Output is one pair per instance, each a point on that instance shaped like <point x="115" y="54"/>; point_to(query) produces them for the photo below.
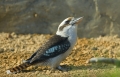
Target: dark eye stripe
<point x="66" y="23"/>
<point x="61" y="28"/>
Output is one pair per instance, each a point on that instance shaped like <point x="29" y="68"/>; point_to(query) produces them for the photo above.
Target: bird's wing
<point x="31" y="57"/>
<point x="55" y="46"/>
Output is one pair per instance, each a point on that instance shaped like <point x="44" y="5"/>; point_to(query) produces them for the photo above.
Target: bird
<point x="55" y="49"/>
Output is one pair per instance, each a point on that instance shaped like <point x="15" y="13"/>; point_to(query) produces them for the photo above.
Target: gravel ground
<point x="16" y="48"/>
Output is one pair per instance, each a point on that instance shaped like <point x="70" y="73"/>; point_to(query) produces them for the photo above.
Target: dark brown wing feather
<point x="53" y="41"/>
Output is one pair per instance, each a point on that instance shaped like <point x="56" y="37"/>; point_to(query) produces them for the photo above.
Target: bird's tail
<point x="18" y="68"/>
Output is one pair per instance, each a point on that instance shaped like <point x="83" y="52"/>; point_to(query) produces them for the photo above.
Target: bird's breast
<point x="72" y="40"/>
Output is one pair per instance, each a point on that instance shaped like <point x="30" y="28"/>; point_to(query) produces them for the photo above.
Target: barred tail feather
<point x="18" y="68"/>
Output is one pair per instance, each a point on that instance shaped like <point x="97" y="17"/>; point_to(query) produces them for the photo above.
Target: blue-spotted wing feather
<point x="55" y="46"/>
<point x="56" y="50"/>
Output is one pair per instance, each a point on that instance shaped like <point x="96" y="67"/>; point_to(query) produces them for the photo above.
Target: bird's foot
<point x="61" y="69"/>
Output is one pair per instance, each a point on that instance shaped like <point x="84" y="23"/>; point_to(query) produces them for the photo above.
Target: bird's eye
<point x="67" y="22"/>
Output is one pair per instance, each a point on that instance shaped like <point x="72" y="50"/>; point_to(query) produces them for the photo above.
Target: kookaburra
<point x="56" y="49"/>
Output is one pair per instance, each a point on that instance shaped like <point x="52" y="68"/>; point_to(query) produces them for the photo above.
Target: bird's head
<point x="68" y="26"/>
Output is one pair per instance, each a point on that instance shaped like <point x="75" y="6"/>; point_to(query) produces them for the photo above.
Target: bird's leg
<point x="61" y="69"/>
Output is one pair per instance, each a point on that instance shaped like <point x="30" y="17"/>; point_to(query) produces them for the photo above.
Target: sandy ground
<point x="16" y="48"/>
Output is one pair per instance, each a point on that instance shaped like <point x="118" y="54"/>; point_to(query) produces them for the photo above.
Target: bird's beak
<point x="78" y="20"/>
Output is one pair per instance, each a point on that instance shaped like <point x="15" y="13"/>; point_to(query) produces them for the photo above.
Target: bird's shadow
<point x="93" y="66"/>
<point x="81" y="67"/>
